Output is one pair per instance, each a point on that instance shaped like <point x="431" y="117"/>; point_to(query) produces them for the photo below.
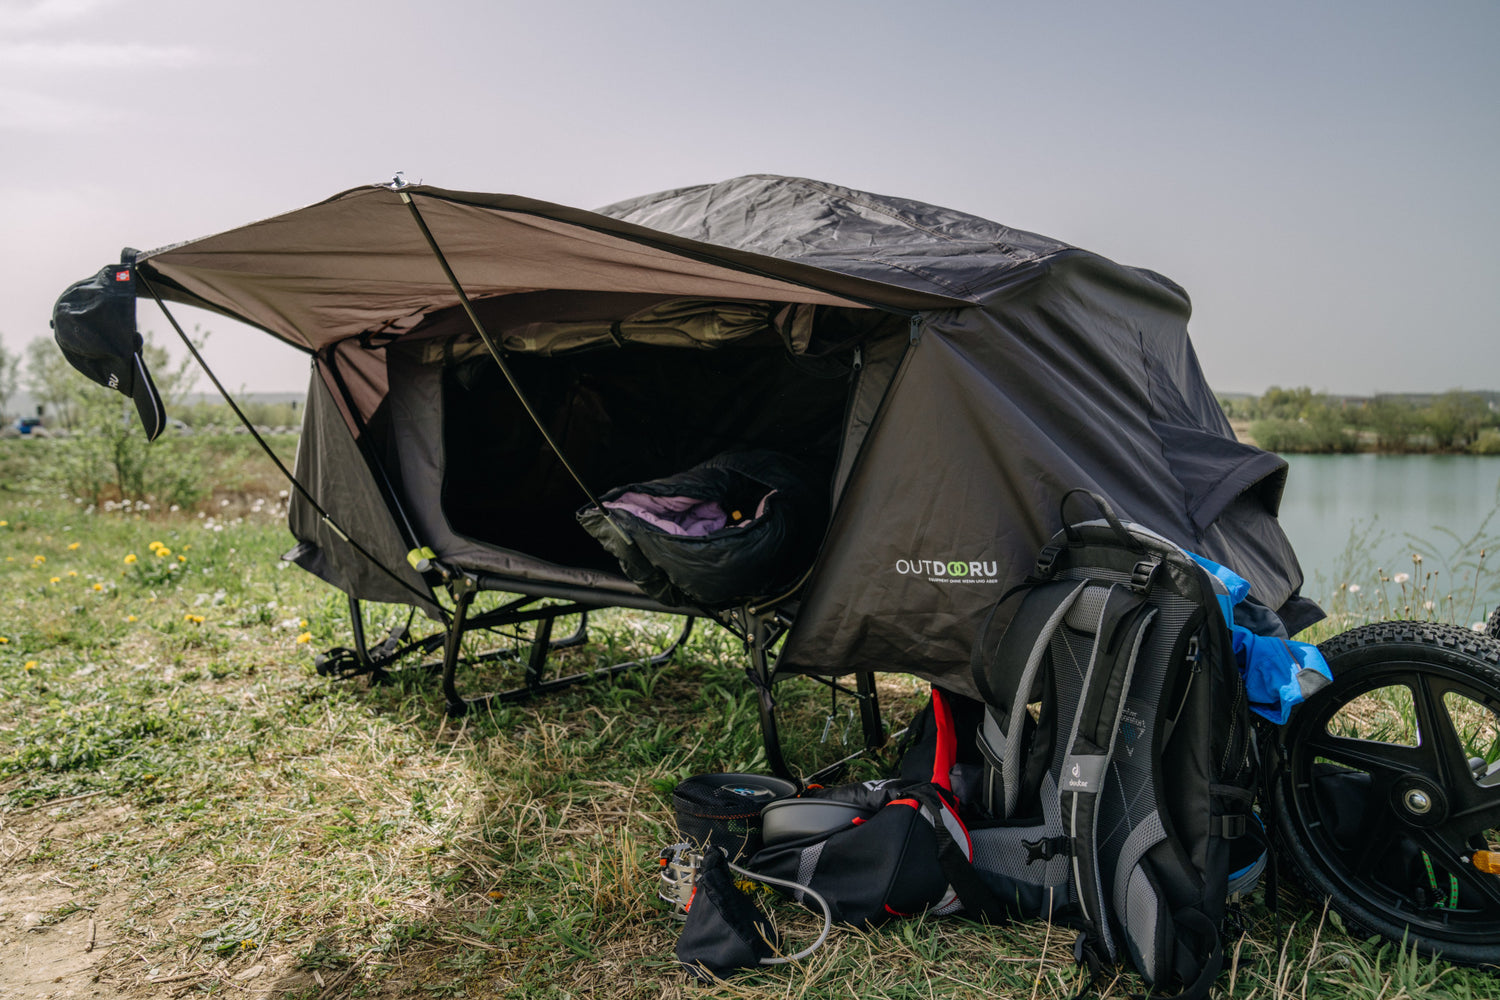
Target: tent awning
<point x="357" y="263"/>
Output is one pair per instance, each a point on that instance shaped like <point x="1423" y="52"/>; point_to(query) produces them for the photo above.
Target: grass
<point x="169" y="757"/>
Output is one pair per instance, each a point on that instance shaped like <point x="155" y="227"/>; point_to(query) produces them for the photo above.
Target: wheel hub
<point x="1419" y="802"/>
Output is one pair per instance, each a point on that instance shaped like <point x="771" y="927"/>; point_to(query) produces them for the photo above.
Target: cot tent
<point x="943" y="380"/>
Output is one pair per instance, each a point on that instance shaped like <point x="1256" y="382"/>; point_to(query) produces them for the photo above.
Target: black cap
<point x="94" y="324"/>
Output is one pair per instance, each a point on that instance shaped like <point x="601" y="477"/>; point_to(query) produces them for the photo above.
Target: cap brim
<point x="148" y="401"/>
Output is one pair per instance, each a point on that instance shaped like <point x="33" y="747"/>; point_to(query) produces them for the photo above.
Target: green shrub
<point x="108" y="457"/>
<point x="1319" y="434"/>
<point x="1487" y="443"/>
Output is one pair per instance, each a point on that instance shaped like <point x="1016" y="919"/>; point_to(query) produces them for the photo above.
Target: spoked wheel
<point x="1389" y="800"/>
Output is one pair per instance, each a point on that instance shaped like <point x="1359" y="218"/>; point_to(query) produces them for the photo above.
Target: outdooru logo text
<point x="951" y="570"/>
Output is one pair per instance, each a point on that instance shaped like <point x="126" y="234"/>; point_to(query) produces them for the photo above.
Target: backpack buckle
<point x="1234" y="826"/>
<point x="1046" y="560"/>
<point x="1140" y="577"/>
<point x="1047" y="848"/>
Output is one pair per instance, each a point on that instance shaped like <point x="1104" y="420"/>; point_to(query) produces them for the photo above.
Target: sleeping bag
<point x="741" y="525"/>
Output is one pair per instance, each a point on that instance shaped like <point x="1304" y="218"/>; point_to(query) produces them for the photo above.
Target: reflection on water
<point x="1348" y="515"/>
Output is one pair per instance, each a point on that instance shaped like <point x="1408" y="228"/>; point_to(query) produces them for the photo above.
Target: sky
<point x="1323" y="179"/>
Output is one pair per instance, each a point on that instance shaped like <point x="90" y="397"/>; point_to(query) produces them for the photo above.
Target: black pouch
<point x="725" y="930"/>
<point x="877" y="868"/>
<point x="906" y="852"/>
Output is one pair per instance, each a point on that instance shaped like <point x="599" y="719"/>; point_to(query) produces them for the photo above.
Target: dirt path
<point x="58" y="935"/>
<point x="82" y="934"/>
<point x="43" y="954"/>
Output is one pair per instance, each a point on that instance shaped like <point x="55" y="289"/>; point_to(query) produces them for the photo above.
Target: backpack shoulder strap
<point x="1007" y="676"/>
<point x="1120" y="629"/>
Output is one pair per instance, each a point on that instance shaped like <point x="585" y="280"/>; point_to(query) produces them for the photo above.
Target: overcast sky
<point x="1323" y="178"/>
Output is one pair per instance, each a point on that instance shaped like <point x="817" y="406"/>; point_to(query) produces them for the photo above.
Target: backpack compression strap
<point x="1117" y="642"/>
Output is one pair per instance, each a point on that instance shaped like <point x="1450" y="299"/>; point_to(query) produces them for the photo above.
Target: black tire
<point x="1492" y="628"/>
<point x="1384" y="830"/>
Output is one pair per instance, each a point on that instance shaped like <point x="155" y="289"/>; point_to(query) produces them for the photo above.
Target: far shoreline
<point x="1241" y="429"/>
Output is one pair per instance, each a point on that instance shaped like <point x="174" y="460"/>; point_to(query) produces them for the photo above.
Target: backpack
<point x="1118" y="759"/>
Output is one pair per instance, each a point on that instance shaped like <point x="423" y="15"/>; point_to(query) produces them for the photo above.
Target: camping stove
<point x="679" y="876"/>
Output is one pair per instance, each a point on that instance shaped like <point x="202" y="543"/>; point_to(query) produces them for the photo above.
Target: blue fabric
<point x="1274" y="669"/>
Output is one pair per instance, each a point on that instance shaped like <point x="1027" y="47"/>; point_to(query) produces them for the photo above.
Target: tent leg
<point x="541" y="645"/>
<point x="579" y="637"/>
<point x="869" y="711"/>
<point x="357" y="626"/>
<point x="762" y="676"/>
<point x="761" y="632"/>
<point x="535" y="682"/>
<point x="597" y="673"/>
<point x="464" y="590"/>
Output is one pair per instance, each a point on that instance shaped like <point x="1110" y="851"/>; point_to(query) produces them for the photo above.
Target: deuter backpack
<point x="1118" y="759"/>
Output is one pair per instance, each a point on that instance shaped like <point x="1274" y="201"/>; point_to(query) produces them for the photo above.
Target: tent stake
<point x="494" y="350"/>
<point x="290" y="478"/>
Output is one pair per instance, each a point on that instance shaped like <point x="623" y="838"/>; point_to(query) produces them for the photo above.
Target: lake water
<point x="1349" y="514"/>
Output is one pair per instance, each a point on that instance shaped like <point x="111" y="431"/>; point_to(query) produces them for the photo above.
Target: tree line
<point x="71" y="402"/>
<point x="1286" y="420"/>
<point x="1300" y="420"/>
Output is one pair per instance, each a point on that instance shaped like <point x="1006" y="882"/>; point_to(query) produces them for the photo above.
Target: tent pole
<point x="494" y="350"/>
<point x="290" y="478"/>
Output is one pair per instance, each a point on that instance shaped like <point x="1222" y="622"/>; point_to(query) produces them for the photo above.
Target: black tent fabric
<point x="1071" y="371"/>
<point x="952" y="377"/>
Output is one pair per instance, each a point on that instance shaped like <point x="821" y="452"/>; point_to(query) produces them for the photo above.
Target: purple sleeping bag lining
<point x="690" y="517"/>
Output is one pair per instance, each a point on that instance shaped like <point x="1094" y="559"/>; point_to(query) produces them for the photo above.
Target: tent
<point x="483" y="365"/>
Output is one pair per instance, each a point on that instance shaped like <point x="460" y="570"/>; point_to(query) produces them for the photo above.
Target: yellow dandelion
<point x="73" y="546"/>
<point x="182" y="559"/>
<point x="247" y="944"/>
<point x="187" y="548"/>
<point x="130" y="557"/>
<point x="302" y="622"/>
<point x="98" y="586"/>
<point x="195" y="619"/>
<point x="130" y="618"/>
<point x="4" y="524"/>
<point x="72" y="572"/>
<point x="3" y="640"/>
<point x="38" y="559"/>
<point x="31" y="664"/>
<point x="163" y="552"/>
<point x="153" y="546"/>
<point x="56" y="579"/>
<point x="304" y="637"/>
